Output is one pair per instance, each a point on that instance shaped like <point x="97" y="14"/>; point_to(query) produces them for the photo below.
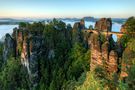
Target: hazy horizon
<point x="66" y="9"/>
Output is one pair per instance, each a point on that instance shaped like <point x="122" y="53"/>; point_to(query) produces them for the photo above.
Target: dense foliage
<point x="69" y="63"/>
<point x="1" y="53"/>
<point x="13" y="76"/>
<point x="129" y="52"/>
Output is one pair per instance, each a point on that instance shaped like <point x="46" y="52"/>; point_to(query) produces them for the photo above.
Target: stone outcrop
<point x="79" y="25"/>
<point x="29" y="47"/>
<point x="35" y="50"/>
<point x="123" y="28"/>
<point x="104" y="24"/>
<point x="113" y="62"/>
<point x="96" y="54"/>
<point x="103" y="55"/>
<point x="103" y="52"/>
<point x="9" y="46"/>
<point x="77" y="31"/>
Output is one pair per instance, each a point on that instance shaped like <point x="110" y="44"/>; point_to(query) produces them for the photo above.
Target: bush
<point x="91" y="83"/>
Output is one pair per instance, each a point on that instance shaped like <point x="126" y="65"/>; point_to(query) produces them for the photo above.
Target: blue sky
<point x="67" y="8"/>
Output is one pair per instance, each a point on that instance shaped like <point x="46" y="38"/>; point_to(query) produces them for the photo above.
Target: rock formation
<point x="9" y="46"/>
<point x="96" y="54"/>
<point x="79" y="25"/>
<point x="103" y="53"/>
<point x="77" y="31"/>
<point x="29" y="47"/>
<point x="113" y="62"/>
<point x="104" y="24"/>
<point x="123" y="28"/>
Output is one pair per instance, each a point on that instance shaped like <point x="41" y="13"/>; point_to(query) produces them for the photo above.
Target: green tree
<point x="1" y="53"/>
<point x="22" y="24"/>
<point x="91" y="27"/>
<point x="14" y="76"/>
<point x="131" y="78"/>
<point x="91" y="83"/>
<point x="79" y="63"/>
<point x="129" y="52"/>
<point x="130" y="23"/>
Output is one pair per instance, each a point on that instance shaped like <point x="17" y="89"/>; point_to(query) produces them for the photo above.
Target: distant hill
<point x="12" y="21"/>
<point x="92" y="19"/>
<point x="88" y="18"/>
<point x="119" y="20"/>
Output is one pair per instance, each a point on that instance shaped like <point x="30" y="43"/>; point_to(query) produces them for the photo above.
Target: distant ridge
<point x="86" y="18"/>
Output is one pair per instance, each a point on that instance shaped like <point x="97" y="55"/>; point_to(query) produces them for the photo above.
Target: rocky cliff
<point x="104" y="24"/>
<point x="103" y="55"/>
<point x="9" y="47"/>
<point x="104" y="51"/>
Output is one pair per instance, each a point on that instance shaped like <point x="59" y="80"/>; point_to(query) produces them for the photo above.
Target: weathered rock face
<point x="123" y="28"/>
<point x="30" y="48"/>
<point x="76" y="32"/>
<point x="102" y="54"/>
<point x="113" y="62"/>
<point x="9" y="47"/>
<point x="96" y="54"/>
<point x="104" y="24"/>
<point x="82" y="24"/>
<point x="105" y="51"/>
<point x="24" y="53"/>
<point x="35" y="50"/>
<point x="79" y="25"/>
<point x="18" y="36"/>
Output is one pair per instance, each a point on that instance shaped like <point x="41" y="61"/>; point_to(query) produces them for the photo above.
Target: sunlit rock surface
<point x="104" y="24"/>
